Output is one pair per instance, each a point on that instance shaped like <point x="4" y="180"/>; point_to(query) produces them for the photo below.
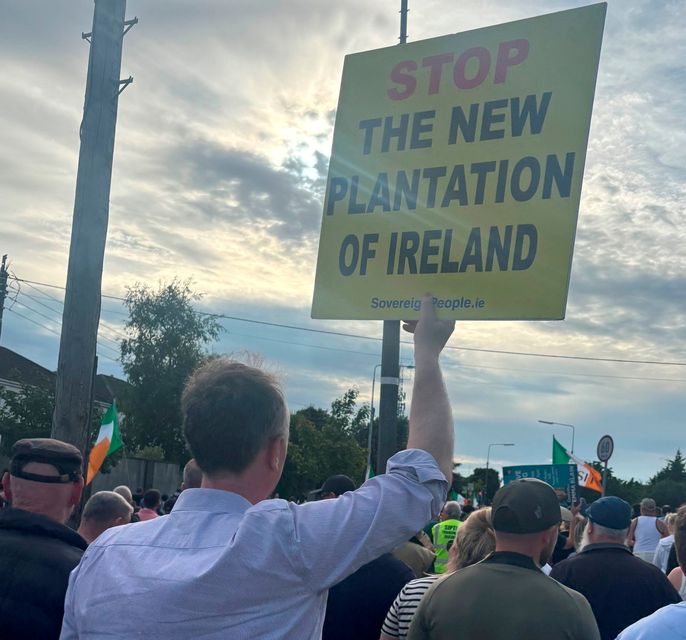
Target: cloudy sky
<point x="221" y="156"/>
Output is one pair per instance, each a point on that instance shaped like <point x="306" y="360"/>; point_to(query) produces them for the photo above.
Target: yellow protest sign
<point x="456" y="168"/>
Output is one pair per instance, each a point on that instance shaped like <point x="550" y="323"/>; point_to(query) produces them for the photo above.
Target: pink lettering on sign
<point x="470" y="70"/>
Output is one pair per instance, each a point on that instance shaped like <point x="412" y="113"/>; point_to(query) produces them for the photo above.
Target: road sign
<point x="563" y="477"/>
<point x="456" y="168"/>
<point x="606" y="446"/>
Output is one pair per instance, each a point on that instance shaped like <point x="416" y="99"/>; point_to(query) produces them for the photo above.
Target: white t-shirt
<point x="661" y="558"/>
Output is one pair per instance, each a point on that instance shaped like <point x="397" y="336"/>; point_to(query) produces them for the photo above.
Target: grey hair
<point x="453" y="509"/>
<point x="124" y="492"/>
<point x="104" y="506"/>
<point x="617" y="534"/>
<point x="192" y="475"/>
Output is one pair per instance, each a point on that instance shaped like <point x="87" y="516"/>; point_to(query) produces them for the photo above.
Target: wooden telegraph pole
<point x="89" y="227"/>
<point x="390" y="355"/>
<point x="3" y="287"/>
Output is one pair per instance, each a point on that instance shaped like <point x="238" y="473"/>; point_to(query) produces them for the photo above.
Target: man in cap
<point x="356" y="607"/>
<point x="334" y="486"/>
<point x="507" y="595"/>
<point x="104" y="510"/>
<point x="37" y="550"/>
<point x="227" y="562"/>
<point x="620" y="587"/>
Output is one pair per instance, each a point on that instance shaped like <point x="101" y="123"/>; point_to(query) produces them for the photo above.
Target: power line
<point x="42" y="326"/>
<point x="449" y="347"/>
<point x="59" y="322"/>
<point x="59" y="312"/>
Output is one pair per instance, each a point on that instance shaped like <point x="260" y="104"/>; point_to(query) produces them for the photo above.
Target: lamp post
<point x="561" y="424"/>
<point x="371" y="418"/>
<point x="488" y="460"/>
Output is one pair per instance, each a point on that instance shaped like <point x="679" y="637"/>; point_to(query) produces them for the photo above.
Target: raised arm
<point x="431" y="419"/>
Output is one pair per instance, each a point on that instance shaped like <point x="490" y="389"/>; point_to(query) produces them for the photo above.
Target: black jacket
<point x="36" y="556"/>
<point x="620" y="587"/>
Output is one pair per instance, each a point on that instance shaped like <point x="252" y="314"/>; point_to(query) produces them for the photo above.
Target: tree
<point x="26" y="413"/>
<point x="674" y="470"/>
<point x="323" y="443"/>
<point x="668" y="486"/>
<point x="485" y="485"/>
<point x="164" y="346"/>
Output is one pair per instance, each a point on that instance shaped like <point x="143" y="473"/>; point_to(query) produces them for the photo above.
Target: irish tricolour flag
<point x="109" y="440"/>
<point x="589" y="477"/>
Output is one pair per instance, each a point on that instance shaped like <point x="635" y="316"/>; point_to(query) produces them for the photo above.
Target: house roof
<point x="18" y="369"/>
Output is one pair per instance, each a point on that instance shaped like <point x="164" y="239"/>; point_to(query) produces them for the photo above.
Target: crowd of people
<point x="390" y="559"/>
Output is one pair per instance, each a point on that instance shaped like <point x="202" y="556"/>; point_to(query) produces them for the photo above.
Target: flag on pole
<point x="109" y="440"/>
<point x="589" y="477"/>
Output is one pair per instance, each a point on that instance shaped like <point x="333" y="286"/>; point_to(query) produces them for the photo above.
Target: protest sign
<point x="456" y="168"/>
<point x="559" y="476"/>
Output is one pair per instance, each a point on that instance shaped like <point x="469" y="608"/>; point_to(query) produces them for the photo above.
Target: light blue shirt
<point x="668" y="623"/>
<point x="220" y="567"/>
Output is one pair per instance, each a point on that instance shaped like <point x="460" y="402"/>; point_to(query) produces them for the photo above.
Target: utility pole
<point x="3" y="287"/>
<point x="390" y="355"/>
<point x="89" y="227"/>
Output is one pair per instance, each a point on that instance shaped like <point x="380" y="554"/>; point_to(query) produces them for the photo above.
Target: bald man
<point x="104" y="510"/>
<point x="37" y="550"/>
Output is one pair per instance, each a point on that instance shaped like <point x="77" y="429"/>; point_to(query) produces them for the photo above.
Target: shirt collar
<point x="597" y="546"/>
<point x="212" y="500"/>
<point x="512" y="558"/>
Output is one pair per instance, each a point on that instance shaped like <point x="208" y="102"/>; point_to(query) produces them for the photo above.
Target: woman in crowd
<point x="475" y="539"/>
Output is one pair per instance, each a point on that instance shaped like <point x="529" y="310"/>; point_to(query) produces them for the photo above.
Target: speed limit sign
<point x="605" y="448"/>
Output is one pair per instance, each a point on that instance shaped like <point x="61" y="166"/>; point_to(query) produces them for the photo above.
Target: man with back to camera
<point x="227" y="562"/>
<point x="646" y="531"/>
<point x="37" y="550"/>
<point x="507" y="596"/>
<point x="104" y="510"/>
<point x="620" y="587"/>
<point x="356" y="606"/>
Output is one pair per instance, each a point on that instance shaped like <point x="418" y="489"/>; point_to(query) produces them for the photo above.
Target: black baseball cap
<point x="611" y="512"/>
<point x="527" y="505"/>
<point x="337" y="485"/>
<point x="65" y="457"/>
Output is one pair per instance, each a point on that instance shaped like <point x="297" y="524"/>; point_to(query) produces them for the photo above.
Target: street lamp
<point x="371" y="418"/>
<point x="561" y="424"/>
<point x="488" y="460"/>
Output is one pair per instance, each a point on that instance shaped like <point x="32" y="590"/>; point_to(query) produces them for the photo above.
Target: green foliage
<point x="149" y="453"/>
<point x="674" y="470"/>
<point x="26" y="413"/>
<point x="324" y="443"/>
<point x="164" y="346"/>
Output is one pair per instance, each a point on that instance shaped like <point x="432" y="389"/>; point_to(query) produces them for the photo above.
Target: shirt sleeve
<point x="391" y="623"/>
<point x="336" y="537"/>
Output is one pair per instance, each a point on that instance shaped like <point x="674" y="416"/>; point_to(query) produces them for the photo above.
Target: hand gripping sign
<point x="456" y="168"/>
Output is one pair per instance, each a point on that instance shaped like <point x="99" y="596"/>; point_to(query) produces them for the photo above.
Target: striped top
<point x="399" y="616"/>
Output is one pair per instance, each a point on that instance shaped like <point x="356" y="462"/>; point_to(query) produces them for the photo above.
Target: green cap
<point x="525" y="506"/>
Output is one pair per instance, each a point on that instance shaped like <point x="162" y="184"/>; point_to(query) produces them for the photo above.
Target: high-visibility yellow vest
<point x="443" y="533"/>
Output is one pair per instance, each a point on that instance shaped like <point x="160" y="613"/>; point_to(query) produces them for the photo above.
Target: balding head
<point x="192" y="475"/>
<point x="125" y="493"/>
<point x="52" y="500"/>
<point x="103" y="510"/>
